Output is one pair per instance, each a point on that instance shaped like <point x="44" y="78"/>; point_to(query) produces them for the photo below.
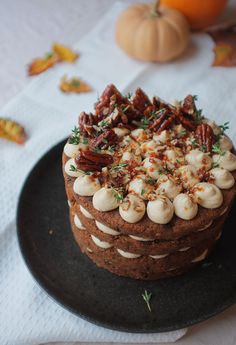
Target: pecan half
<point x="110" y="94"/>
<point x="163" y="122"/>
<point x="92" y="161"/>
<point x="86" y="122"/>
<point x="188" y="106"/>
<point x="140" y="100"/>
<point x="186" y="122"/>
<point x="104" y="140"/>
<point x="204" y="135"/>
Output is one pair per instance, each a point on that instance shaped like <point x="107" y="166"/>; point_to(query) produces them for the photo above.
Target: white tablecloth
<point x="35" y="25"/>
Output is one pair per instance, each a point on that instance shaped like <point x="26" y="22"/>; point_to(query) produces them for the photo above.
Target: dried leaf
<point x="42" y="64"/>
<point x="224" y="37"/>
<point x="74" y="84"/>
<point x="12" y="131"/>
<point x="223" y="55"/>
<point x="64" y="53"/>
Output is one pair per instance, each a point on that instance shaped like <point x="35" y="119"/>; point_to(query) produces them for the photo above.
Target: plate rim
<point x="53" y="296"/>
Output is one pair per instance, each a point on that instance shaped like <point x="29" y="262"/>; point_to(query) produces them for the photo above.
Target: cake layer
<point x="143" y="266"/>
<point x="143" y="245"/>
<point x="175" y="229"/>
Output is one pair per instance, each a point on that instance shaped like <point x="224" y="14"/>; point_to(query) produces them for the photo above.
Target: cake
<point x="149" y="184"/>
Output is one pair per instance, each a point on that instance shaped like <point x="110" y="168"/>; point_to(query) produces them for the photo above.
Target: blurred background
<point x="27" y="29"/>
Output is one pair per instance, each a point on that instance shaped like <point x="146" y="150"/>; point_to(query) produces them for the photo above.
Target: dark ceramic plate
<point x="98" y="296"/>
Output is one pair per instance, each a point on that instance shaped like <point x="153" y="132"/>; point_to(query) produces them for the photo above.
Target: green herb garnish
<point x="224" y="127"/>
<point x="97" y="150"/>
<point x="73" y="168"/>
<point x="144" y="123"/>
<point x="118" y="194"/>
<point x="126" y="108"/>
<point x="75" y="137"/>
<point x="111" y="149"/>
<point x="217" y="149"/>
<point x="129" y="95"/>
<point x="85" y="141"/>
<point x="147" y="297"/>
<point x="193" y="142"/>
<point x="199" y="116"/>
<point x="119" y="166"/>
<point x="103" y="123"/>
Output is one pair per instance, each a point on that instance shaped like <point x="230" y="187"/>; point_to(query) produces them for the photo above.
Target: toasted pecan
<point x="204" y="135"/>
<point x="92" y="161"/>
<point x="86" y="123"/>
<point x="104" y="140"/>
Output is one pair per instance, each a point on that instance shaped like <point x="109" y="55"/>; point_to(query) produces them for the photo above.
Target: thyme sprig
<point x="75" y="137"/>
<point x="224" y="127"/>
<point x="217" y="149"/>
<point x="118" y="193"/>
<point x="119" y="166"/>
<point x="145" y="121"/>
<point x="73" y="168"/>
<point x="147" y="298"/>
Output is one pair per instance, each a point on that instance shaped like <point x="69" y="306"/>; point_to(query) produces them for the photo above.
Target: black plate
<point x="98" y="296"/>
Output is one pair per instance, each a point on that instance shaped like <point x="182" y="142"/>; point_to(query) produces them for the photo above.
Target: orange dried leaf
<point x="75" y="85"/>
<point x="64" y="53"/>
<point x="223" y="54"/>
<point x="12" y="131"/>
<point x="225" y="44"/>
<point x="42" y="64"/>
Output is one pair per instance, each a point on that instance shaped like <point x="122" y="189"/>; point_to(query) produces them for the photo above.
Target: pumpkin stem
<point x="155" y="8"/>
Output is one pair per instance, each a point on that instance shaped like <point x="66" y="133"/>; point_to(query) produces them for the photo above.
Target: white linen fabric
<point x="27" y="315"/>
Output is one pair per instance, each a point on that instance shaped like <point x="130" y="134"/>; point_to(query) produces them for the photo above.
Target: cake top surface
<point x="149" y="156"/>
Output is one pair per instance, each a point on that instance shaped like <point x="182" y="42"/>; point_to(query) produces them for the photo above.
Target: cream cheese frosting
<point x="105" y="199"/>
<point x="128" y="255"/>
<point x="130" y="156"/>
<point x="158" y="256"/>
<point x="188" y="175"/>
<point x="101" y="244"/>
<point x="106" y="229"/>
<point x="153" y="167"/>
<point x="201" y="256"/>
<point x="132" y="209"/>
<point x="141" y="239"/>
<point x="121" y="132"/>
<point x="139" y="134"/>
<point x="225" y="143"/>
<point x="208" y="195"/>
<point x="185" y="207"/>
<point x="199" y="159"/>
<point x="71" y="150"/>
<point x="222" y="178"/>
<point x="162" y="138"/>
<point x="86" y="213"/>
<point x="78" y="223"/>
<point x="161" y="210"/>
<point x="174" y="157"/>
<point x="140" y="187"/>
<point x="86" y="185"/>
<point x="226" y="160"/>
<point x="168" y="187"/>
<point x="70" y="168"/>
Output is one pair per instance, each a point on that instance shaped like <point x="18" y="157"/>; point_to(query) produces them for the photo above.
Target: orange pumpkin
<point x="152" y="33"/>
<point x="200" y="13"/>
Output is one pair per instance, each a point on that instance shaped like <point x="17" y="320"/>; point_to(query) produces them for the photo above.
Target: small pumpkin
<point x="152" y="33"/>
<point x="199" y="13"/>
